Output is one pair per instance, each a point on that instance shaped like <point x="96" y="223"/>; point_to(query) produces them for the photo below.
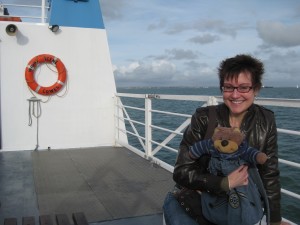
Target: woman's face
<point x="237" y="102"/>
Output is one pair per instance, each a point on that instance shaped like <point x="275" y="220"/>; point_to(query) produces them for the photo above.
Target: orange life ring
<point x="33" y="64"/>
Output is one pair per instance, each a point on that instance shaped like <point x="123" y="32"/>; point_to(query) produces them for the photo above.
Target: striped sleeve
<point x="200" y="148"/>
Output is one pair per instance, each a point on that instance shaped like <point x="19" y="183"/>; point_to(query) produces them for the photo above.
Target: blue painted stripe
<point x="72" y="13"/>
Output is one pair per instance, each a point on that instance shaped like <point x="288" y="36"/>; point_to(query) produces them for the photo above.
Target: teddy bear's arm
<point x="200" y="148"/>
<point x="254" y="156"/>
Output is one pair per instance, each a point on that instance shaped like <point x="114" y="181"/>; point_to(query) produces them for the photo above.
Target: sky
<point x="181" y="43"/>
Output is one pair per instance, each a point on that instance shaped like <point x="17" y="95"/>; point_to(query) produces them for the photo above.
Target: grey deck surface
<point x="104" y="183"/>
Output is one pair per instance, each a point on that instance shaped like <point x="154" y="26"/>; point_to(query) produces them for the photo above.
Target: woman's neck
<point x="236" y="120"/>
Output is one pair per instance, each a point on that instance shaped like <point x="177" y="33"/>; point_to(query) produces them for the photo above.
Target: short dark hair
<point x="230" y="68"/>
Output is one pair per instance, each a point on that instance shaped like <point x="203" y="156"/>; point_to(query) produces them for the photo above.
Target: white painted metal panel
<point x="85" y="116"/>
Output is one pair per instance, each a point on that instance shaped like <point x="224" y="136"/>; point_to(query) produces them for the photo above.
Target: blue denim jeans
<point x="174" y="214"/>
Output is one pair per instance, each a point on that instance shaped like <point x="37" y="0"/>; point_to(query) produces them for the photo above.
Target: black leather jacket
<point x="260" y="129"/>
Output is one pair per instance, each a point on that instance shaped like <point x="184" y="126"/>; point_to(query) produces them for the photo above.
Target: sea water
<point x="286" y="118"/>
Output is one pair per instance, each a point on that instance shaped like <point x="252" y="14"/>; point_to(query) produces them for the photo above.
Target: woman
<point x="240" y="81"/>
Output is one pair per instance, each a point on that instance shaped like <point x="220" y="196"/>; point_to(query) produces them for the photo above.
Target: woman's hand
<point x="239" y="177"/>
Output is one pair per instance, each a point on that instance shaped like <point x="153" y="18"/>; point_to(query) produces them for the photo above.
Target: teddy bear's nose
<point x="224" y="143"/>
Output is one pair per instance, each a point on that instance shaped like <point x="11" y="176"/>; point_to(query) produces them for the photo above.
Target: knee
<point x="171" y="210"/>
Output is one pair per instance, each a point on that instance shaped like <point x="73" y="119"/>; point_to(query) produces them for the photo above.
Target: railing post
<point x="43" y="12"/>
<point x="116" y="118"/>
<point x="148" y="123"/>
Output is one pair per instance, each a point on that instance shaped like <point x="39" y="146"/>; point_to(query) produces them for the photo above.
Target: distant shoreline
<point x="153" y="87"/>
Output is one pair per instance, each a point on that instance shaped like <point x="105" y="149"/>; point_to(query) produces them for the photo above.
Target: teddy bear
<point x="229" y="149"/>
<point x="228" y="143"/>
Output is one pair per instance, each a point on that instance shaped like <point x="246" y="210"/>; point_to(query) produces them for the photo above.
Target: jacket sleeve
<point x="269" y="171"/>
<point x="193" y="173"/>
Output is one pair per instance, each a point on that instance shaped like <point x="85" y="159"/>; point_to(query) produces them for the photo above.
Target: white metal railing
<point x="147" y="141"/>
<point x="27" y="11"/>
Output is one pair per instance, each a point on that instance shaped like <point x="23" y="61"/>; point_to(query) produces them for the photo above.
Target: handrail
<point x="147" y="141"/>
<point x="147" y="150"/>
<point x="42" y="8"/>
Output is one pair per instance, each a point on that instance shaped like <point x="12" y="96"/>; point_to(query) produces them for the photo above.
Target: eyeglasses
<point x="241" y="89"/>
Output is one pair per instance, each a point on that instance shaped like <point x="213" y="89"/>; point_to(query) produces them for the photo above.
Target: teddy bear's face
<point x="227" y="139"/>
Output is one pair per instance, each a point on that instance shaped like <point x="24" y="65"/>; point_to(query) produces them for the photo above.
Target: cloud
<point x="176" y="54"/>
<point x="180" y="54"/>
<point x="204" y="39"/>
<point x="113" y="10"/>
<point x="279" y="34"/>
<point x="297" y="11"/>
<point x="177" y="28"/>
<point x="218" y="26"/>
<point x="153" y="73"/>
<point x="165" y="73"/>
<point x="277" y="74"/>
<point x="159" y="25"/>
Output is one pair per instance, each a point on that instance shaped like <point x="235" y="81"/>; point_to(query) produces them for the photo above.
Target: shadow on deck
<point x="109" y="185"/>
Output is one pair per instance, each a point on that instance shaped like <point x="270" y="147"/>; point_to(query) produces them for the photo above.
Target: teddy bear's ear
<point x="237" y="135"/>
<point x="216" y="129"/>
<point x="216" y="133"/>
<point x="236" y="129"/>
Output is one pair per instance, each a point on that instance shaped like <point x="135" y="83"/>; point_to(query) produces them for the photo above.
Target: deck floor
<point x="105" y="183"/>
